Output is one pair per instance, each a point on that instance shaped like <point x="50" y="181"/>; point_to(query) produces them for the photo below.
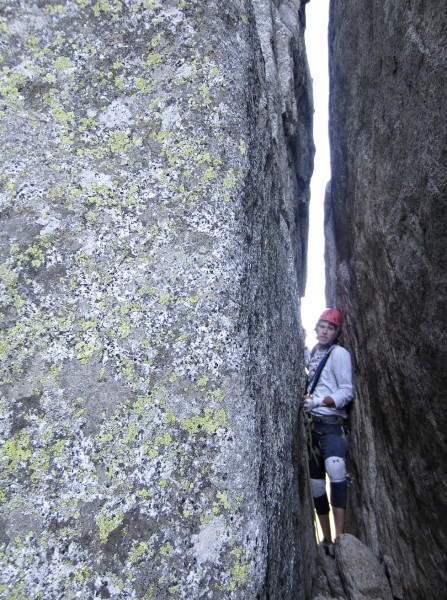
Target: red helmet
<point x="332" y="315"/>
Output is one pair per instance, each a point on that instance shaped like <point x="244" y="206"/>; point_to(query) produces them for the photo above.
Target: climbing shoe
<point x="328" y="548"/>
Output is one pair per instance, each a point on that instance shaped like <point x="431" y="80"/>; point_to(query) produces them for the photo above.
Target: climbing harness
<point x="327" y="420"/>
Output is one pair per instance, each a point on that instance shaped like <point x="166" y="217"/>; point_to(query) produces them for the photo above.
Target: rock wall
<point x="155" y="163"/>
<point x="386" y="261"/>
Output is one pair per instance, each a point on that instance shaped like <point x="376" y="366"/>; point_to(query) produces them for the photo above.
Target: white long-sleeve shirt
<point x="335" y="381"/>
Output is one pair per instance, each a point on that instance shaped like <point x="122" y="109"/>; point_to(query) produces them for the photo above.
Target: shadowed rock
<point x="386" y="241"/>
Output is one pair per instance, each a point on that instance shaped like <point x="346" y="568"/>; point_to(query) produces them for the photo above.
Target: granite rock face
<point x="155" y="165"/>
<point x="386" y="261"/>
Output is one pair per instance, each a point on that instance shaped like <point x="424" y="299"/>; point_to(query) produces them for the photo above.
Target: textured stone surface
<point x="154" y="178"/>
<point x="328" y="583"/>
<point x="386" y="241"/>
<point x="361" y="573"/>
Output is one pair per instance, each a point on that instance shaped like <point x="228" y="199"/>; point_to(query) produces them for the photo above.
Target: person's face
<point x="326" y="332"/>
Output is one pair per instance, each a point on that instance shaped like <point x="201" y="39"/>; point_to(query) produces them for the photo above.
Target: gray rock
<point x="327" y="583"/>
<point x="154" y="185"/>
<point x="362" y="575"/>
<point x="387" y="210"/>
<point x="394" y="578"/>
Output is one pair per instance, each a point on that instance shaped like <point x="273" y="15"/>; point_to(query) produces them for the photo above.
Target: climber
<point x="328" y="391"/>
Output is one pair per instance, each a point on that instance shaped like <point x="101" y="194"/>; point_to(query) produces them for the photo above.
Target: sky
<point x="313" y="304"/>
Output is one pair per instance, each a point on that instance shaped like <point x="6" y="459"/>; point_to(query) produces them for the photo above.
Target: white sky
<point x="317" y="15"/>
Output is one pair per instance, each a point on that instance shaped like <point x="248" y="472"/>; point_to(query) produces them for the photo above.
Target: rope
<point x="308" y="427"/>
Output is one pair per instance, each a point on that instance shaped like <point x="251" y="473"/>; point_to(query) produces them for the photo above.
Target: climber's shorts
<point x="328" y="456"/>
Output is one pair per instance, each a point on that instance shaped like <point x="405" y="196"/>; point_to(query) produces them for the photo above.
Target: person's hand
<point x="310" y="403"/>
<point x="328" y="401"/>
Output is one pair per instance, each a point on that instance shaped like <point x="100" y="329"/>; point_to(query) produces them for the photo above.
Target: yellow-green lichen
<point x="151" y="453"/>
<point x="85" y="350"/>
<point x="138" y="551"/>
<point x="215" y="395"/>
<point x="163" y="440"/>
<point x="81" y="575"/>
<point x="167" y="299"/>
<point x="34" y="254"/>
<point x="62" y="63"/>
<point x="205" y="519"/>
<point x="132" y="434"/>
<point x="107" y="525"/>
<point x="20" y="342"/>
<point x="124" y="330"/>
<point x="201" y="382"/>
<point x="126" y="368"/>
<point x="112" y="7"/>
<point x="239" y="572"/>
<point x="10" y="85"/>
<point x="155" y="40"/>
<point x="209" y="422"/>
<point x="228" y="183"/>
<point x="17" y="450"/>
<point x="120" y="142"/>
<point x="167" y="549"/>
<point x="153" y="59"/>
<point x="143" y="86"/>
<point x="169" y="418"/>
<point x="242" y="147"/>
<point x="222" y="496"/>
<point x="9" y="281"/>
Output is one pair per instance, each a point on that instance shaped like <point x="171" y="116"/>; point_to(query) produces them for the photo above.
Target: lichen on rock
<point x="138" y="238"/>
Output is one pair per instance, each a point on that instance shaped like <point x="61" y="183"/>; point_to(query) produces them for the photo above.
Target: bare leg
<point x="339" y="520"/>
<point x="325" y="527"/>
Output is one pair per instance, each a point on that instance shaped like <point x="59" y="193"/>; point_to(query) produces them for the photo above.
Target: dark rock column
<point x="386" y="254"/>
<point x="155" y="161"/>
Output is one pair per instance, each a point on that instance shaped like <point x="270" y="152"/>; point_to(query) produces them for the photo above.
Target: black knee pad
<point x="339" y="494"/>
<point x="321" y="505"/>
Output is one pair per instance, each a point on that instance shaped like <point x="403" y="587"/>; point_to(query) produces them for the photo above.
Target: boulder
<point x="361" y="573"/>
